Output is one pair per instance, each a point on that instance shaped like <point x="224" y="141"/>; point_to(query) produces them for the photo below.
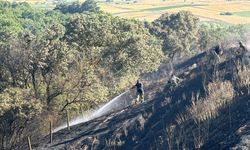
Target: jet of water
<point x="115" y="104"/>
<point x="119" y="102"/>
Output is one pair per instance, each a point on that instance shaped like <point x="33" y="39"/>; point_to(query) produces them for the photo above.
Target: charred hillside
<point x="208" y="110"/>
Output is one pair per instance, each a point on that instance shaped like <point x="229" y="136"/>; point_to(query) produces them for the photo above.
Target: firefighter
<point x="174" y="81"/>
<point x="139" y="92"/>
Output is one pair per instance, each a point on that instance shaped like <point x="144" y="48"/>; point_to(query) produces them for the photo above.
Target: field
<point x="230" y="12"/>
<point x="243" y="13"/>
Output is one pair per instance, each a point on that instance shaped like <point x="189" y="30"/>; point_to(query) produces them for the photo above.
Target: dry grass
<point x="219" y="94"/>
<point x="182" y="118"/>
<point x="113" y="143"/>
<point x="141" y="122"/>
<point x="244" y="79"/>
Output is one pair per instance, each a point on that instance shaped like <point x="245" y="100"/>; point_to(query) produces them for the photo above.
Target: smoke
<point x="246" y="39"/>
<point x="118" y="103"/>
<point x="248" y="45"/>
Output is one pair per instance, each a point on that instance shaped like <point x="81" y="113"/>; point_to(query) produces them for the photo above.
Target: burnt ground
<point x="146" y="126"/>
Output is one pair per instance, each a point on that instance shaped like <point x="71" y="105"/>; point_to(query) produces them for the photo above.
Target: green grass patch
<point x="171" y="7"/>
<point x="242" y="13"/>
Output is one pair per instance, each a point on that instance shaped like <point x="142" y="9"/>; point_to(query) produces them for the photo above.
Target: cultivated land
<point x="235" y="12"/>
<point x="239" y="11"/>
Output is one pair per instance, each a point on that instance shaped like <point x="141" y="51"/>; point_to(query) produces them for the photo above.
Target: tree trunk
<point x="14" y="84"/>
<point x="33" y="76"/>
<point x="48" y="94"/>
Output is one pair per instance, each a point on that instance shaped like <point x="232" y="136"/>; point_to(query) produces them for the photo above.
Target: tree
<point x="123" y="47"/>
<point x="17" y="108"/>
<point x="9" y="24"/>
<point x="89" y="5"/>
<point x="59" y="64"/>
<point x="5" y="4"/>
<point x="76" y="7"/>
<point x="211" y="34"/>
<point x="179" y="33"/>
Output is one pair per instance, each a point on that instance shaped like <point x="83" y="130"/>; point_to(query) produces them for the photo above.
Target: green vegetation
<point x="77" y="56"/>
<point x="223" y="34"/>
<point x="76" y="7"/>
<point x="171" y="7"/>
<point x="242" y="13"/>
<point x="52" y="61"/>
<point x="179" y="33"/>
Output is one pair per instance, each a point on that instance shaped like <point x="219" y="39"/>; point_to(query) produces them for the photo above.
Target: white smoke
<point x="246" y="39"/>
<point x="248" y="45"/>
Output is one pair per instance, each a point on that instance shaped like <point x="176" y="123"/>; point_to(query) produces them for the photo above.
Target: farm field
<point x="222" y="11"/>
<point x="231" y="12"/>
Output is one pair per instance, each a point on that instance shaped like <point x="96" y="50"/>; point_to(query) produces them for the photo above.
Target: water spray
<point x="118" y="103"/>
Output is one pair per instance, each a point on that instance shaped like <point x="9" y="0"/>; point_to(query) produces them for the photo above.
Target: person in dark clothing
<point x="240" y="55"/>
<point x="139" y="91"/>
<point x="242" y="50"/>
<point x="174" y="80"/>
<point x="215" y="55"/>
<point x="214" y="58"/>
<point x="218" y="50"/>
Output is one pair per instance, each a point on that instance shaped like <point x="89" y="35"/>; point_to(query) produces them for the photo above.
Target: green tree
<point x="211" y="34"/>
<point x="90" y="5"/>
<point x="123" y="47"/>
<point x="9" y="24"/>
<point x="59" y="64"/>
<point x="178" y="31"/>
<point x="17" y="108"/>
<point x="5" y="4"/>
<point x="76" y="7"/>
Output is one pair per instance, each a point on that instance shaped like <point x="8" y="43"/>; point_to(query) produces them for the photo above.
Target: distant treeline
<point x="76" y="57"/>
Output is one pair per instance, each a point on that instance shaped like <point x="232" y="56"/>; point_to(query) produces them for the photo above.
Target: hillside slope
<point x="166" y="119"/>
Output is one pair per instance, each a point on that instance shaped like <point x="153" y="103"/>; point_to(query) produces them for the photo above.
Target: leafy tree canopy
<point x="76" y="7"/>
<point x="17" y="17"/>
<point x="124" y="46"/>
<point x="179" y="32"/>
